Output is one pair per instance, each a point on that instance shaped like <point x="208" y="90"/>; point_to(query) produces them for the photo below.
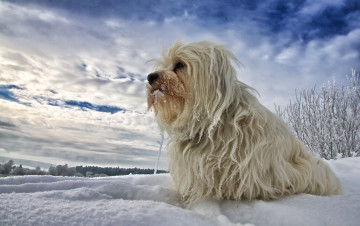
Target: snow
<point x="152" y="200"/>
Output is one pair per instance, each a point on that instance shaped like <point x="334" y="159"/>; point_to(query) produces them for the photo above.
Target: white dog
<point x="223" y="144"/>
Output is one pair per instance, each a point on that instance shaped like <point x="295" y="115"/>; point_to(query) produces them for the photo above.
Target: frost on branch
<point x="327" y="121"/>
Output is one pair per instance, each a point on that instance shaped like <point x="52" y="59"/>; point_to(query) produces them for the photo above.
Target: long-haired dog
<point x="223" y="144"/>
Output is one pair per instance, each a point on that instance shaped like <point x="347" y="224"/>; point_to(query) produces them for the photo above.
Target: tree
<point x="327" y="121"/>
<point x="7" y="167"/>
<point x="62" y="170"/>
<point x="52" y="171"/>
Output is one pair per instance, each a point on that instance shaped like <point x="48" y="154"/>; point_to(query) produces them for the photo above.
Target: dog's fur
<point x="223" y="144"/>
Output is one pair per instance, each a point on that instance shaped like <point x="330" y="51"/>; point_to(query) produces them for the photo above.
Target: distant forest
<point x="9" y="168"/>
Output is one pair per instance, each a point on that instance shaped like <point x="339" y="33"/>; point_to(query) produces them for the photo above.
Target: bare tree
<point x="328" y="120"/>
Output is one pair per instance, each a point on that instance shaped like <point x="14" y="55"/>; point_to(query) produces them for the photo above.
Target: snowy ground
<point x="151" y="200"/>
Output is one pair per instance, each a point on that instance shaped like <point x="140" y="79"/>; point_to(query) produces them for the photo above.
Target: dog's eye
<point x="178" y="66"/>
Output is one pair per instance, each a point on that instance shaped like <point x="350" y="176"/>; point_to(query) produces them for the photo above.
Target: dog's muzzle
<point x="152" y="77"/>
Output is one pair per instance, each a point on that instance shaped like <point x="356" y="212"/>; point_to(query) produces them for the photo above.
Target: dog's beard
<point x="166" y="97"/>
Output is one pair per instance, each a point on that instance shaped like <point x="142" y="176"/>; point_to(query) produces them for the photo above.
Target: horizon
<point x="29" y="164"/>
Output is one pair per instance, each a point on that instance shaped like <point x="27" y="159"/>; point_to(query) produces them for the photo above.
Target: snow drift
<point x="152" y="200"/>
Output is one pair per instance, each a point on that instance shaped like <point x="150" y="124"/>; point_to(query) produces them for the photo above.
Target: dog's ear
<point x="214" y="81"/>
<point x="225" y="81"/>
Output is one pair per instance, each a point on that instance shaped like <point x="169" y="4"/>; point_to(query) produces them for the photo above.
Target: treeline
<point x="10" y="168"/>
<point x="89" y="171"/>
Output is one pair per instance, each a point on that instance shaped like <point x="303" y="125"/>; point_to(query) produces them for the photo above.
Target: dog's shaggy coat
<point x="223" y="144"/>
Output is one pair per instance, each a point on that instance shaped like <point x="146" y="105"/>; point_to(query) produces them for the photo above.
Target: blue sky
<point x="72" y="73"/>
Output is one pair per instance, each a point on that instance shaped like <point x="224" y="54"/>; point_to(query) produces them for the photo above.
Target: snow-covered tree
<point x="7" y="167"/>
<point x="328" y="120"/>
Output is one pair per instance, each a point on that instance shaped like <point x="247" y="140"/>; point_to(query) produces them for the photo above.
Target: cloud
<point x="74" y="136"/>
<point x="316" y="7"/>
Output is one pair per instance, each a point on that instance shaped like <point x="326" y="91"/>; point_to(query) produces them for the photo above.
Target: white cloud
<point x="314" y="7"/>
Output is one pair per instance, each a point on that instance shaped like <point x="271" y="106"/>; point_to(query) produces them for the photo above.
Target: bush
<point x="327" y="121"/>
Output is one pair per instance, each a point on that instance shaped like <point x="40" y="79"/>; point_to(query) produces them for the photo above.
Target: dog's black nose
<point x="152" y="77"/>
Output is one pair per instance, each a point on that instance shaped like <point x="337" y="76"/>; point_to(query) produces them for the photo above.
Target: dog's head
<point x="192" y="85"/>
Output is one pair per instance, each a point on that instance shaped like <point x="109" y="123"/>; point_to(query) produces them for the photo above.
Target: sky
<point x="73" y="73"/>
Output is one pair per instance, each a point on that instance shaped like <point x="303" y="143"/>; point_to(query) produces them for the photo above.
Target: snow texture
<point x="152" y="200"/>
